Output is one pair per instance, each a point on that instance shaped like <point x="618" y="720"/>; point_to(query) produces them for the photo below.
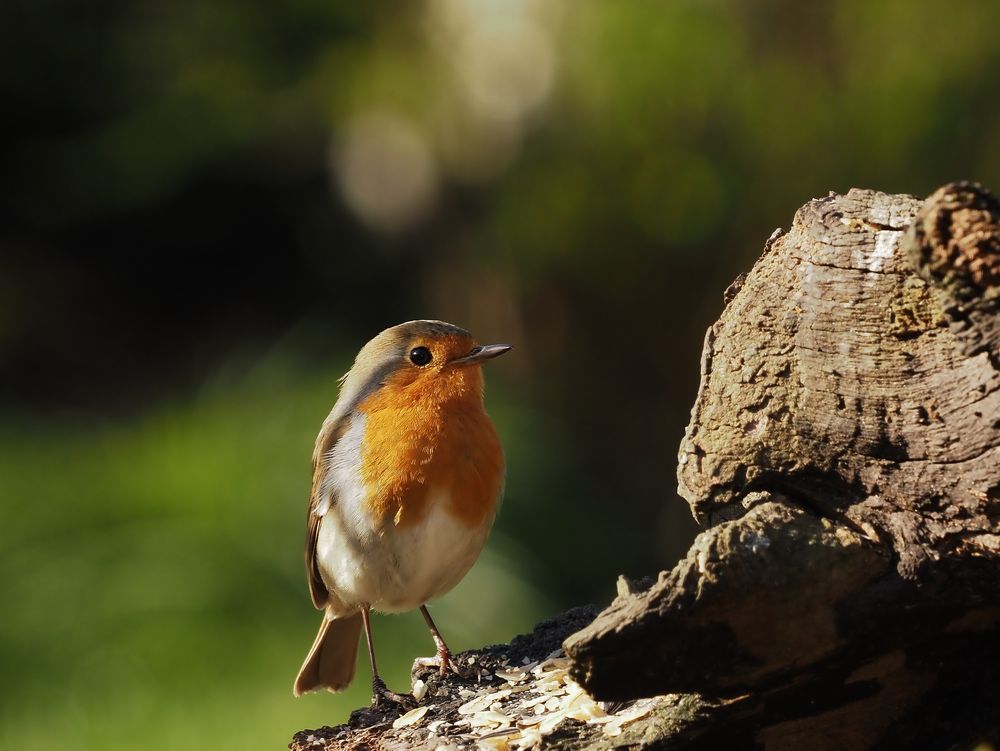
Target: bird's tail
<point x="333" y="658"/>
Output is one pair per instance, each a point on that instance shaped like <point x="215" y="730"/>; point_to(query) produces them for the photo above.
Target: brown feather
<point x="328" y="436"/>
<point x="333" y="659"/>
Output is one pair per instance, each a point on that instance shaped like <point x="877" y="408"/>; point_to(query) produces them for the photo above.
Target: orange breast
<point x="426" y="440"/>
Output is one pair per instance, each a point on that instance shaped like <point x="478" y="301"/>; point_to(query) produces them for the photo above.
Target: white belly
<point x="399" y="569"/>
<point x="391" y="569"/>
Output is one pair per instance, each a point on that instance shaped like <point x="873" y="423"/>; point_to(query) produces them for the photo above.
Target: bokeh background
<point x="208" y="207"/>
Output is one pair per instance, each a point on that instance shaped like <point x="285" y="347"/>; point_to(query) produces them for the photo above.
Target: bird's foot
<point x="381" y="694"/>
<point x="444" y="662"/>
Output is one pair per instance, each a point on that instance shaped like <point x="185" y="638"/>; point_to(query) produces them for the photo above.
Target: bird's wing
<point x="320" y="500"/>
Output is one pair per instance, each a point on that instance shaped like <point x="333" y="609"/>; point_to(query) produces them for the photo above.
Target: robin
<point x="407" y="476"/>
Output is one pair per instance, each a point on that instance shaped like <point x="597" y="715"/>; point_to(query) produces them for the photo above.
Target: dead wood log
<point x="844" y="449"/>
<point x="844" y="453"/>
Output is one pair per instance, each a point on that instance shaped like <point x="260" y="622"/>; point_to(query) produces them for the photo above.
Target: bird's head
<point x="418" y="360"/>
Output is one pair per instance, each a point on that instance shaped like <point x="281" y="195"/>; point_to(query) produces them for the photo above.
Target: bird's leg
<point x="380" y="693"/>
<point x="442" y="660"/>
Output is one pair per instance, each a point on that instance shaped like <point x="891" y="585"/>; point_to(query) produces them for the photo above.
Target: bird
<point x="408" y="474"/>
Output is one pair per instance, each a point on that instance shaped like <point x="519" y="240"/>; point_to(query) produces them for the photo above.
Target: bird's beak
<point x="479" y="354"/>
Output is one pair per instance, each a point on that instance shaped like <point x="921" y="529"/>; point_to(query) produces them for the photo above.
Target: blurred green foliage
<point x="208" y="207"/>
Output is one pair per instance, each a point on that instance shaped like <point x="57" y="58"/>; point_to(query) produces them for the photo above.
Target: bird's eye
<point x="420" y="355"/>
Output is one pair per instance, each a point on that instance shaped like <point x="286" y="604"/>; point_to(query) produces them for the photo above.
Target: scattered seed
<point x="638" y="710"/>
<point x="410" y="718"/>
<point x="511" y="676"/>
<point x="500" y="732"/>
<point x="551" y="722"/>
<point x="419" y="689"/>
<point x="528" y="739"/>
<point x="492" y="743"/>
<point x="489" y="718"/>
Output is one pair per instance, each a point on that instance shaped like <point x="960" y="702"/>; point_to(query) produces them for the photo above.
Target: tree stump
<point x="844" y="453"/>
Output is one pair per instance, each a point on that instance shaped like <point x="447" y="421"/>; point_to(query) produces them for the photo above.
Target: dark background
<point x="207" y="208"/>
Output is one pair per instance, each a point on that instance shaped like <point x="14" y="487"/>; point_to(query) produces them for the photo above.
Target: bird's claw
<point x="444" y="663"/>
<point x="382" y="694"/>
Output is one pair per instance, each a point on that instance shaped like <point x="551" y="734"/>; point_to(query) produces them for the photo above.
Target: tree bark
<point x="844" y="453"/>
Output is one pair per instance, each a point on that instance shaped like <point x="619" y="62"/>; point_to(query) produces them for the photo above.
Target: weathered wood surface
<point x="844" y="453"/>
<point x="844" y="449"/>
<point x="845" y="375"/>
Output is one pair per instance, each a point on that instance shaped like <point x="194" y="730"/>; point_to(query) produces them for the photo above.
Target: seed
<point x="410" y="718"/>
